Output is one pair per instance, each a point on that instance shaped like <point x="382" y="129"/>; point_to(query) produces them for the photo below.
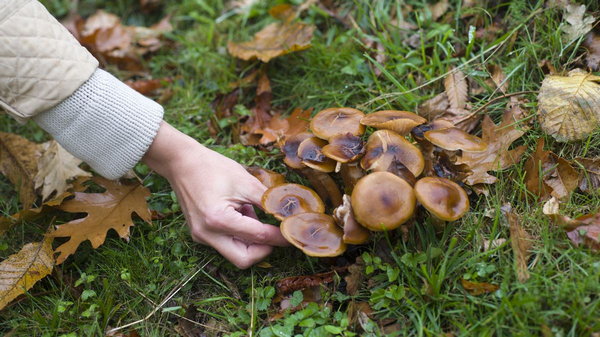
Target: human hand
<point x="216" y="195"/>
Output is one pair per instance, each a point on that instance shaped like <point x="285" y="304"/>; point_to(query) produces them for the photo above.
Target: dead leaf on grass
<point x="19" y="163"/>
<point x="355" y="277"/>
<point x="479" y="288"/>
<point x="578" y="23"/>
<point x="589" y="174"/>
<point x="568" y="105"/>
<point x="583" y="230"/>
<point x="33" y="213"/>
<point x="499" y="78"/>
<point x="148" y="87"/>
<point x="558" y="178"/>
<point x="592" y="44"/>
<point x="457" y="88"/>
<point x="22" y="270"/>
<point x="520" y="241"/>
<point x="112" y="209"/>
<point x="438" y="9"/>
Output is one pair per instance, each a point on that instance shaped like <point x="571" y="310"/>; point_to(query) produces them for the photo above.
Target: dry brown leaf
<point x="457" y="89"/>
<point x="497" y="156"/>
<point x="148" y="87"/>
<point x="583" y="230"/>
<point x="31" y="214"/>
<point x="578" y="22"/>
<point x="290" y="284"/>
<point x="438" y="9"/>
<point x="22" y="270"/>
<point x="589" y="174"/>
<point x="592" y="43"/>
<point x="356" y="275"/>
<point x="56" y="166"/>
<point x="568" y="105"/>
<point x="498" y="78"/>
<point x="19" y="163"/>
<point x="558" y="178"/>
<point x="478" y="288"/>
<point x="434" y="107"/>
<point x="521" y="243"/>
<point x="112" y="209"/>
<point x="274" y="40"/>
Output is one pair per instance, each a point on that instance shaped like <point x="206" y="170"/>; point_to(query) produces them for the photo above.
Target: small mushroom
<point x="324" y="185"/>
<point x="266" y="177"/>
<point x="398" y="121"/>
<point x="344" y="148"/>
<point x="444" y="198"/>
<point x="351" y="174"/>
<point x="454" y="139"/>
<point x="290" y="149"/>
<point x="354" y="233"/>
<point x="396" y="167"/>
<point x="337" y="121"/>
<point x="316" y="234"/>
<point x="418" y="132"/>
<point x="384" y="145"/>
<point x="289" y="199"/>
<point x="382" y="201"/>
<point x="310" y="151"/>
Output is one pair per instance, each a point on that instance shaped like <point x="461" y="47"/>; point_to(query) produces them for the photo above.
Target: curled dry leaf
<point x="497" y="156"/>
<point x="19" y="163"/>
<point x="583" y="230"/>
<point x="520" y="241"/>
<point x="56" y="166"/>
<point x="112" y="209"/>
<point x="290" y="284"/>
<point x="438" y="9"/>
<point x="22" y="270"/>
<point x="569" y="106"/>
<point x="498" y="78"/>
<point x="578" y="23"/>
<point x="592" y="44"/>
<point x="558" y="178"/>
<point x="589" y="174"/>
<point x="478" y="288"/>
<point x="456" y="88"/>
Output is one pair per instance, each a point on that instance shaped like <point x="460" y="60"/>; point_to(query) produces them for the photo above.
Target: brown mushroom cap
<point x="316" y="234"/>
<point x="354" y="233"/>
<point x="310" y="151"/>
<point x="344" y="148"/>
<point x="444" y="198"/>
<point x="399" y="169"/>
<point x="418" y="132"/>
<point x="455" y="139"/>
<point x="398" y="121"/>
<point x="289" y="199"/>
<point x="384" y="145"/>
<point x="266" y="177"/>
<point x="337" y="121"/>
<point x="351" y="174"/>
<point x="382" y="201"/>
<point x="290" y="149"/>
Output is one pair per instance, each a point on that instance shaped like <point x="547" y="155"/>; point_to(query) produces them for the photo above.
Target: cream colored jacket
<point x="41" y="63"/>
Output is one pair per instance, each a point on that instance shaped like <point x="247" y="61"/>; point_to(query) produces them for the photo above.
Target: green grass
<point x="415" y="283"/>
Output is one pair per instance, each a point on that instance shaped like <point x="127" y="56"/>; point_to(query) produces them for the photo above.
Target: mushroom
<point x="311" y="153"/>
<point x="290" y="149"/>
<point x="266" y="177"/>
<point x="351" y="173"/>
<point x="337" y="121"/>
<point x="444" y="198"/>
<point x="382" y="201"/>
<point x="454" y="139"/>
<point x="324" y="185"/>
<point x="316" y="234"/>
<point x="398" y="121"/>
<point x="384" y="145"/>
<point x="289" y="199"/>
<point x="344" y="148"/>
<point x="418" y="132"/>
<point x="396" y="167"/>
<point x="354" y="233"/>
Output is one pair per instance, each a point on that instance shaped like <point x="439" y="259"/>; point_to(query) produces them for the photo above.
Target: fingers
<point x="254" y="191"/>
<point x="252" y="230"/>
<point x="248" y="210"/>
<point x="241" y="254"/>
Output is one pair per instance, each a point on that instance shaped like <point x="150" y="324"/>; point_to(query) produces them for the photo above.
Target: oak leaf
<point x="19" y="163"/>
<point x="457" y="88"/>
<point x="568" y="105"/>
<point x="56" y="167"/>
<point x="22" y="270"/>
<point x="112" y="209"/>
<point x="558" y="178"/>
<point x="30" y="214"/>
<point x="520" y="241"/>
<point x="497" y="156"/>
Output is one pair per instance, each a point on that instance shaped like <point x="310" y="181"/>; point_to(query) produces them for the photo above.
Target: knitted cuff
<point x="104" y="123"/>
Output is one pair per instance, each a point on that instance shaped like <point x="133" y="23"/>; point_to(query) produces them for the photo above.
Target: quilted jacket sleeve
<point x="41" y="63"/>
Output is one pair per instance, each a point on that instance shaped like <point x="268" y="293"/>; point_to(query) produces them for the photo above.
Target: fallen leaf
<point x="478" y="288"/>
<point x="589" y="176"/>
<point x="579" y="23"/>
<point x="438" y="9"/>
<point x="568" y="105"/>
<point x="497" y="156"/>
<point x="19" y="163"/>
<point x="148" y="87"/>
<point x="583" y="230"/>
<point x="31" y="214"/>
<point x="434" y="107"/>
<point x="492" y="244"/>
<point x="592" y="44"/>
<point x="56" y="167"/>
<point x="290" y="284"/>
<point x="558" y="178"/>
<point x="112" y="209"/>
<point x="498" y="78"/>
<point x="274" y="40"/>
<point x="521" y="243"/>
<point x="456" y="88"/>
<point x="356" y="275"/>
<point x="22" y="270"/>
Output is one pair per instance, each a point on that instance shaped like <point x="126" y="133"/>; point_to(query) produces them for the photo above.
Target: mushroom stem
<point x="324" y="185"/>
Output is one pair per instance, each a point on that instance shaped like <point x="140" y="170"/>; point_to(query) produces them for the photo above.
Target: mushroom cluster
<point x="384" y="179"/>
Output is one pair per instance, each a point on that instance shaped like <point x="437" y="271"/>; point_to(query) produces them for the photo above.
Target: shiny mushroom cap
<point x="382" y="201"/>
<point x="398" y="121"/>
<point x="444" y="198"/>
<point x="316" y="234"/>
<point x="396" y="167"/>
<point x="384" y="145"/>
<point x="418" y="132"/>
<point x="289" y="199"/>
<point x="266" y="177"/>
<point x="337" y="121"/>
<point x="290" y="149"/>
<point x="454" y="139"/>
<point x="310" y="151"/>
<point x="354" y="233"/>
<point x="344" y="148"/>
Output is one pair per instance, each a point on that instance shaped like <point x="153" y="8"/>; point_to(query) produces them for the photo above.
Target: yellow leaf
<point x="55" y="167"/>
<point x="20" y="271"/>
<point x="18" y="162"/>
<point x="569" y="105"/>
